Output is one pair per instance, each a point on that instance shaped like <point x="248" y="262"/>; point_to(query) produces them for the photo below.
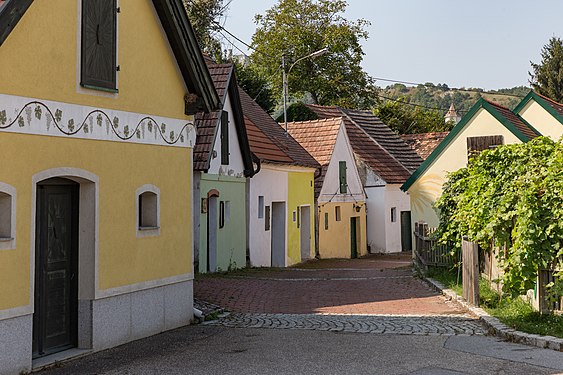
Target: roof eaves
<point x="543" y="102"/>
<point x="184" y="44"/>
<point x="442" y="146"/>
<point x="10" y="15"/>
<point x="506" y="122"/>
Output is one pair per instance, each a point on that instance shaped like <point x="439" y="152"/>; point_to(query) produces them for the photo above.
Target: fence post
<point x="470" y="261"/>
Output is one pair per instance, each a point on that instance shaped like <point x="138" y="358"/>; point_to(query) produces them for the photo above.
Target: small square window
<point x="148" y="218"/>
<point x="260" y="207"/>
<point x="148" y="211"/>
<point x="337" y="213"/>
<point x="393" y="214"/>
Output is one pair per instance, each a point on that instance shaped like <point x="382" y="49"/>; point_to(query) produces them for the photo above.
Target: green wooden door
<point x="354" y="237"/>
<point x="406" y="233"/>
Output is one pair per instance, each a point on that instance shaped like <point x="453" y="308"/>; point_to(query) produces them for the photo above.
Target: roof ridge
<point x="548" y="99"/>
<point x="377" y="143"/>
<point x="496" y="104"/>
<point x="331" y="119"/>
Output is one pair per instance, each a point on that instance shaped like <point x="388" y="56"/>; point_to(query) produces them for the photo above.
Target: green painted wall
<point x="300" y="193"/>
<point x="231" y="239"/>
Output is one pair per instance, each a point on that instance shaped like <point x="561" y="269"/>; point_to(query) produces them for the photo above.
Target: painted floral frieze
<point x="41" y="117"/>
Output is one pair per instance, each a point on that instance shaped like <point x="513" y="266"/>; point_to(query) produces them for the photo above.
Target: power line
<point x="414" y="104"/>
<point x="449" y="88"/>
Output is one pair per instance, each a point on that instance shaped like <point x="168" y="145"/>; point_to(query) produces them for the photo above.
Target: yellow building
<point x="96" y="133"/>
<point x="281" y="201"/>
<point x="339" y="194"/>
<point x="486" y="125"/>
<point x="544" y="114"/>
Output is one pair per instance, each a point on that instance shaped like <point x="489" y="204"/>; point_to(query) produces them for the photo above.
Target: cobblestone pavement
<point x="372" y="285"/>
<point x="382" y="324"/>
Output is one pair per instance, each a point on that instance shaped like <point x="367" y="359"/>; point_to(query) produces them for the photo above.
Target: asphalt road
<point x="221" y="350"/>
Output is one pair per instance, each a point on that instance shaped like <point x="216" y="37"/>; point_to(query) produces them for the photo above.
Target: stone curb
<point x="495" y="327"/>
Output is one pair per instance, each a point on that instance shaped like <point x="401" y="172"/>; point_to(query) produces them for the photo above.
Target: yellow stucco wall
<point x="541" y="120"/>
<point x="426" y="190"/>
<point x="334" y="242"/>
<point x="300" y="193"/>
<point x="40" y="59"/>
<point x="122" y="168"/>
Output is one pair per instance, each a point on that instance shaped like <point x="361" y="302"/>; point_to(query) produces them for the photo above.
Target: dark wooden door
<point x="55" y="316"/>
<point x="406" y="233"/>
<point x="354" y="237"/>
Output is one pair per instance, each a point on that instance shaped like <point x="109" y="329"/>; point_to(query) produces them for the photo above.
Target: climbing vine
<point x="510" y="196"/>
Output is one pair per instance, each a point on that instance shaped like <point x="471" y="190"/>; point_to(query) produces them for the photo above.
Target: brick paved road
<point x="371" y="285"/>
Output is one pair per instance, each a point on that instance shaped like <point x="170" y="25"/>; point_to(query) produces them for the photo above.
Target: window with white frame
<point x="148" y="210"/>
<point x="393" y="214"/>
<point x="7" y="217"/>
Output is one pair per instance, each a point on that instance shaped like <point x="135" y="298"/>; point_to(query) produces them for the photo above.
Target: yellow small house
<point x="544" y="114"/>
<point x="96" y="132"/>
<point x="339" y="194"/>
<point x="486" y="125"/>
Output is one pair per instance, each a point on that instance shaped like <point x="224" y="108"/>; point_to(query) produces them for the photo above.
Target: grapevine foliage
<point x="511" y="195"/>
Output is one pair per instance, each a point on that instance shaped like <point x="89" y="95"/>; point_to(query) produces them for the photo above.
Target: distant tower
<point x="452" y="115"/>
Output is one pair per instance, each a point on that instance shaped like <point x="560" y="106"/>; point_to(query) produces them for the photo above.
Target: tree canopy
<point x="255" y="85"/>
<point x="301" y="27"/>
<point x="510" y="196"/>
<point x="547" y="76"/>
<point x="407" y="119"/>
<point x="205" y="16"/>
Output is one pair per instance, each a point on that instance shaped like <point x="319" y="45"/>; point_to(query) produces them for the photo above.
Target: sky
<point x="463" y="43"/>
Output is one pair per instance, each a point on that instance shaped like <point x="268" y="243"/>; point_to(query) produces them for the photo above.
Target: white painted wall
<point x="236" y="165"/>
<point x="394" y="197"/>
<point x="272" y="183"/>
<point x="376" y="219"/>
<point x="331" y="185"/>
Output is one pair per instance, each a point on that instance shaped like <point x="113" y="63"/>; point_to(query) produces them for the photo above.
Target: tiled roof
<point x="514" y="120"/>
<point x="366" y="146"/>
<point x="318" y="137"/>
<point x="268" y="140"/>
<point x="424" y="143"/>
<point x="207" y="123"/>
<point x="387" y="138"/>
<point x="553" y="104"/>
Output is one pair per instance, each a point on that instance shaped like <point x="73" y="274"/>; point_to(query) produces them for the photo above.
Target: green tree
<point x="510" y="196"/>
<point x="300" y="27"/>
<point x="256" y="86"/>
<point x="205" y="16"/>
<point x="407" y="119"/>
<point x="547" y="76"/>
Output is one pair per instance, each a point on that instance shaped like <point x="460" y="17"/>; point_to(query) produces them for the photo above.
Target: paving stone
<point x="383" y="324"/>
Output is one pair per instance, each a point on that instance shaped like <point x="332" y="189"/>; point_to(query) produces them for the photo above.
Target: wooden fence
<point x="428" y="251"/>
<point x="470" y="275"/>
<point x="545" y="277"/>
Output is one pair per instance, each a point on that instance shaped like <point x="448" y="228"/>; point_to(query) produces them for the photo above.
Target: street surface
<point x="364" y="316"/>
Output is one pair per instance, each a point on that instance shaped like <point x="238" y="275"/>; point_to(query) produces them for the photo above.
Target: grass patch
<point x="448" y="277"/>
<point x="515" y="313"/>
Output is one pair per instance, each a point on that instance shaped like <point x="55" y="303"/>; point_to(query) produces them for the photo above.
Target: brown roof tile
<point x="380" y="160"/>
<point x="514" y="119"/>
<point x="268" y="139"/>
<point x="207" y="123"/>
<point x="318" y="137"/>
<point x="553" y="104"/>
<point x="387" y="138"/>
<point x="424" y="143"/>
